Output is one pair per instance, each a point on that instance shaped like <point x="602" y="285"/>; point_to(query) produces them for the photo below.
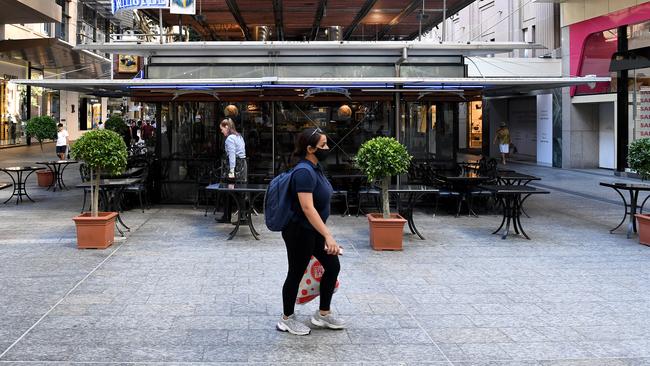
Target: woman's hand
<point x="331" y="247"/>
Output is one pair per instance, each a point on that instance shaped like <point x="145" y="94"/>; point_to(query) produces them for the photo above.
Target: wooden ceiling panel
<point x="383" y="19"/>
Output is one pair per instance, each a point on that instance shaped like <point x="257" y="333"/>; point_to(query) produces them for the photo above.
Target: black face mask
<point x="321" y="154"/>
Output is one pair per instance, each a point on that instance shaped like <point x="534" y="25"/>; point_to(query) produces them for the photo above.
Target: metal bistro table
<point x="463" y="184"/>
<point x="112" y="190"/>
<point x="512" y="205"/>
<point x="413" y="194"/>
<point x="512" y="178"/>
<point x="630" y="207"/>
<point x="57" y="167"/>
<point x="239" y="192"/>
<point x="20" y="180"/>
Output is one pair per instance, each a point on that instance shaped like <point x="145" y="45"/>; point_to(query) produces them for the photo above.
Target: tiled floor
<point x="175" y="291"/>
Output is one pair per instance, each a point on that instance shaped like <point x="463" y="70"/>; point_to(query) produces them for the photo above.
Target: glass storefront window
<point x="347" y="125"/>
<point x="191" y="143"/>
<point x="638" y="35"/>
<point x="475" y="124"/>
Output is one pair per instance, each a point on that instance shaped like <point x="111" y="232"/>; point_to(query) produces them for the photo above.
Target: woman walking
<point x="502" y="138"/>
<point x="307" y="235"/>
<point x="62" y="141"/>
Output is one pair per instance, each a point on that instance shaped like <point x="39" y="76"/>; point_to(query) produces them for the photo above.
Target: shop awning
<point x="57" y="56"/>
<point x="319" y="48"/>
<point x="489" y="86"/>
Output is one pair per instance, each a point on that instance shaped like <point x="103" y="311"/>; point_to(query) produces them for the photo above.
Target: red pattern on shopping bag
<point x="309" y="287"/>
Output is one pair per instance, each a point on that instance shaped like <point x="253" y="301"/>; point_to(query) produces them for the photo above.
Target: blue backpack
<point x="278" y="201"/>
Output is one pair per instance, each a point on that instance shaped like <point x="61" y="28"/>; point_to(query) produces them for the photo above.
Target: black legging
<point x="301" y="244"/>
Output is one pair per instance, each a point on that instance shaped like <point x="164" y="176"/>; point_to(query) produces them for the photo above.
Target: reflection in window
<point x="597" y="55"/>
<point x="638" y="35"/>
<point x="347" y="125"/>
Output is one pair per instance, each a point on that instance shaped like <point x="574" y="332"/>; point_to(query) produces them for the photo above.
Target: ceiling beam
<point x="207" y="30"/>
<point x="403" y="14"/>
<point x="320" y="12"/>
<point x="358" y="18"/>
<point x="234" y="10"/>
<point x="279" y="20"/>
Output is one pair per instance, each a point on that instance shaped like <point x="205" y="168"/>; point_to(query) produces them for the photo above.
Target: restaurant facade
<point x="416" y="92"/>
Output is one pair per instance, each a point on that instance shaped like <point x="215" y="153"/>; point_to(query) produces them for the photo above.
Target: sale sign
<point x="642" y="122"/>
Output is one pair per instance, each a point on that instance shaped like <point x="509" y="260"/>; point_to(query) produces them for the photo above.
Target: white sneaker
<point x="327" y="321"/>
<point x="292" y="326"/>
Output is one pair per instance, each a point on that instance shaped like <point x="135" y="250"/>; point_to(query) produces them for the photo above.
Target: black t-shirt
<point x="303" y="181"/>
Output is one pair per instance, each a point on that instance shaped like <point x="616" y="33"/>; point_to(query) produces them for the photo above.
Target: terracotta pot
<point x="45" y="178"/>
<point x="643" y="226"/>
<point x="95" y="232"/>
<point x="386" y="234"/>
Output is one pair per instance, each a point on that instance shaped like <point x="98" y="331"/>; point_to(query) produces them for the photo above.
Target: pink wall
<point x="580" y="31"/>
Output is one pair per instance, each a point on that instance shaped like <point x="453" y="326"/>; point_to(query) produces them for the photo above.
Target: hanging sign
<point x="182" y="7"/>
<point x="119" y="5"/>
<point x="311" y="91"/>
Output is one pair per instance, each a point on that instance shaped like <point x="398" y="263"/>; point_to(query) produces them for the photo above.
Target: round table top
<point x="57" y="162"/>
<point x="21" y="168"/>
<point x="627" y="186"/>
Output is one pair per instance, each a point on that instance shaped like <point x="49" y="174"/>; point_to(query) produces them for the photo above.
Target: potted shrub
<point x="380" y="159"/>
<point x="103" y="151"/>
<point x="638" y="159"/>
<point x="42" y="128"/>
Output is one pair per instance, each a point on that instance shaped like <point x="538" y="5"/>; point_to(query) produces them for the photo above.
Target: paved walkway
<point x="176" y="291"/>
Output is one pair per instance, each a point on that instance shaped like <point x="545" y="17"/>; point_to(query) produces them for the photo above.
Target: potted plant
<point x="638" y="159"/>
<point x="103" y="151"/>
<point x="41" y="128"/>
<point x="380" y="159"/>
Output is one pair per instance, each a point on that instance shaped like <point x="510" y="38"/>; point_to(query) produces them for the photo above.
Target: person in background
<point x="100" y="125"/>
<point x="502" y="138"/>
<point x="61" y="141"/>
<point x="134" y="131"/>
<point x="234" y="167"/>
<point x="147" y="131"/>
<point x="235" y="151"/>
<point x="307" y="234"/>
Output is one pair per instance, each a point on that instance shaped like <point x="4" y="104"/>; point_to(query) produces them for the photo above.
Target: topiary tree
<point x="118" y="124"/>
<point x="639" y="157"/>
<point x="103" y="151"/>
<point x="41" y="128"/>
<point x="382" y="158"/>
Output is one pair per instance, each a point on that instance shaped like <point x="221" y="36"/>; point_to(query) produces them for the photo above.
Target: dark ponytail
<point x="308" y="137"/>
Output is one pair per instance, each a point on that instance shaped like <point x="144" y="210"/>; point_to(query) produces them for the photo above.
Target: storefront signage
<point x="118" y="5"/>
<point x="127" y="64"/>
<point x="642" y="128"/>
<point x="312" y="91"/>
<point x="545" y="129"/>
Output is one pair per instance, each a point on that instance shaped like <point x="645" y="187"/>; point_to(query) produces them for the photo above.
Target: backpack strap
<point x="302" y="165"/>
<point x="308" y="167"/>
